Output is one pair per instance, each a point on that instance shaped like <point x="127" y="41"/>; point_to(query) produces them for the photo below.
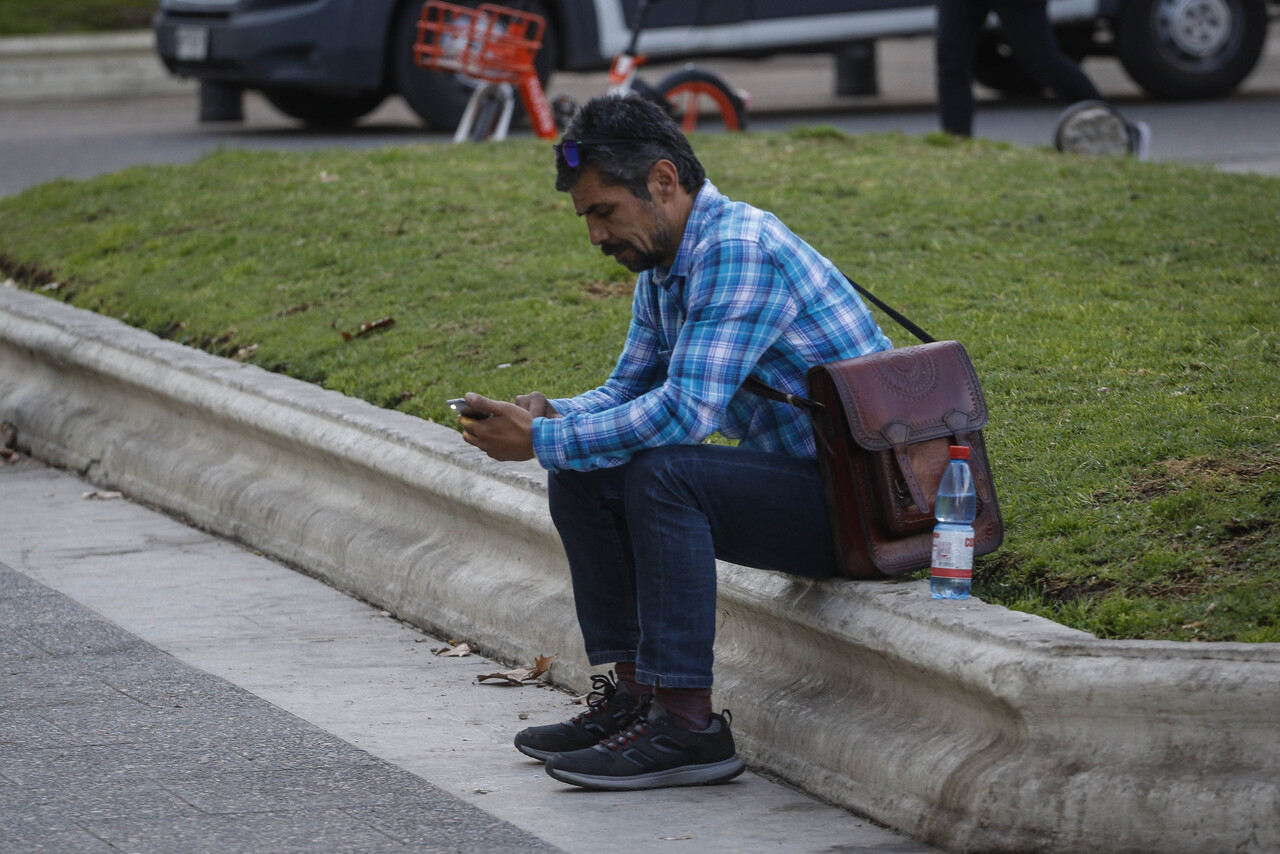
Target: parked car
<point x="329" y="62"/>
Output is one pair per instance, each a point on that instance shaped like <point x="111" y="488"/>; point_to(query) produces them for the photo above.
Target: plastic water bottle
<point x="952" y="569"/>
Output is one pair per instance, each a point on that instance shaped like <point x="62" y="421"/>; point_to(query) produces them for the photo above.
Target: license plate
<point x="192" y="44"/>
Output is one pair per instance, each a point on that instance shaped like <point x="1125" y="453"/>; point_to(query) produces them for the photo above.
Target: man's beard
<point x="639" y="260"/>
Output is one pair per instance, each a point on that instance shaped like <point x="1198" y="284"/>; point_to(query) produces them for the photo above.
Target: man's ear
<point x="664" y="180"/>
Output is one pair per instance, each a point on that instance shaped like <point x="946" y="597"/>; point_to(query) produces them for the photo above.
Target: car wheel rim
<point x="1194" y="32"/>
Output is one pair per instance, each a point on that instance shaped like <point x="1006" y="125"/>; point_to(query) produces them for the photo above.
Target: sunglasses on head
<point x="568" y="149"/>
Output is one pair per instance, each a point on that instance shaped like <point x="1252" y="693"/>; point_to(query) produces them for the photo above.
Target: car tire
<point x="321" y="109"/>
<point x="1190" y="49"/>
<point x="439" y="98"/>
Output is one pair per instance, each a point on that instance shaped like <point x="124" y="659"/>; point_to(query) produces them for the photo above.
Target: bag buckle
<point x="896" y="433"/>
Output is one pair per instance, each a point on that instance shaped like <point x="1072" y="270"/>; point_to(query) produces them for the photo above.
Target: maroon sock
<point x="626" y="673"/>
<point x="689" y="708"/>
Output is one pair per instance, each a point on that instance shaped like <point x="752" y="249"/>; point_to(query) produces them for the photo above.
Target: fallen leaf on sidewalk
<point x="456" y="651"/>
<point x="521" y="675"/>
<point x="515" y="677"/>
<point x="102" y="496"/>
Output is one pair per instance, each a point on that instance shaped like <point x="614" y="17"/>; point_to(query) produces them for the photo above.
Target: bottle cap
<point x="959" y="452"/>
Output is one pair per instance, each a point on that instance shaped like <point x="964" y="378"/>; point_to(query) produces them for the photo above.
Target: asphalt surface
<point x="49" y="139"/>
<point x="162" y="690"/>
<point x="109" y="744"/>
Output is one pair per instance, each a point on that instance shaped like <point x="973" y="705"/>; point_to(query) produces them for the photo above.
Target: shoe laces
<point x="604" y="687"/>
<point x="628" y="735"/>
<point x="634" y="726"/>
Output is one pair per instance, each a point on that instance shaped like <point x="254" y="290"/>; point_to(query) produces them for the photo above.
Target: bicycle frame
<point x="685" y="87"/>
<point x="622" y="71"/>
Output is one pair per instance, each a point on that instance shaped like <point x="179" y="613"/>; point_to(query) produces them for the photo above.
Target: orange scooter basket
<point x="491" y="43"/>
<point x="488" y="42"/>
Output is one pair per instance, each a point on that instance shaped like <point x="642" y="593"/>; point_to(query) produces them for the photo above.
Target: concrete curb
<point x="970" y="726"/>
<point x="34" y="68"/>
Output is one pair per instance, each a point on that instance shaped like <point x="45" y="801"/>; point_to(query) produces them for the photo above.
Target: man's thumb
<point x="480" y="403"/>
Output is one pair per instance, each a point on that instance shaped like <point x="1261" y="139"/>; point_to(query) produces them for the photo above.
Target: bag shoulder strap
<point x="902" y="320"/>
<point x="757" y="387"/>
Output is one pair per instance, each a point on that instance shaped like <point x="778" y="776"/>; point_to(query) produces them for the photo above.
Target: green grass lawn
<point x="1124" y="318"/>
<point x="28" y="18"/>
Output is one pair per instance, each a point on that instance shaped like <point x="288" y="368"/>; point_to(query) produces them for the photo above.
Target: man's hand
<point x="537" y="405"/>
<point x="506" y="435"/>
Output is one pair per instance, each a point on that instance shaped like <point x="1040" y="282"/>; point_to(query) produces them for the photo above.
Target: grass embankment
<point x="25" y="18"/>
<point x="1124" y="317"/>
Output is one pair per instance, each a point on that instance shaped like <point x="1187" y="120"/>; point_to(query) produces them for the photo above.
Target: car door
<point x="672" y="28"/>
<point x="813" y="23"/>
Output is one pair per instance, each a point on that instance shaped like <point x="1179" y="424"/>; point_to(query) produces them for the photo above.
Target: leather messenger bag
<point x="884" y="424"/>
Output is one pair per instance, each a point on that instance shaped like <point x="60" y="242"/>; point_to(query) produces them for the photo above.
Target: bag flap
<point x="911" y="394"/>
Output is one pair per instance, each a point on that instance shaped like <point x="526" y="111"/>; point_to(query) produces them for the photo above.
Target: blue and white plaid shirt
<point x="745" y="296"/>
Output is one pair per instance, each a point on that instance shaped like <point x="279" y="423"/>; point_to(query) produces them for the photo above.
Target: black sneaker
<point x="652" y="753"/>
<point x="609" y="707"/>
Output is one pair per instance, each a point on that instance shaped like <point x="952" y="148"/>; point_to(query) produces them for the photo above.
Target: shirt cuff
<point x="547" y="444"/>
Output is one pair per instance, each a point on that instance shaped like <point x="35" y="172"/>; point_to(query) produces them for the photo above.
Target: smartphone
<point x="459" y="405"/>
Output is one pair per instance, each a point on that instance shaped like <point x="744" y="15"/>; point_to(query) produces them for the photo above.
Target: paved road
<point x="74" y="139"/>
<point x="110" y="744"/>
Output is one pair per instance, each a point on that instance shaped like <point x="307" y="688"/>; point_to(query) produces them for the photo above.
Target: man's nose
<point x="597" y="234"/>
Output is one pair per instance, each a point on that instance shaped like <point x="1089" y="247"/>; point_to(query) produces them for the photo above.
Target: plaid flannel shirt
<point x="744" y="296"/>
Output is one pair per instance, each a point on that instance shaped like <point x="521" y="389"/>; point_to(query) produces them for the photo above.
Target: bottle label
<point x="952" y="554"/>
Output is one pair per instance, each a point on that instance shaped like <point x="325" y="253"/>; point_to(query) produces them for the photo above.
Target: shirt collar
<point x="708" y="197"/>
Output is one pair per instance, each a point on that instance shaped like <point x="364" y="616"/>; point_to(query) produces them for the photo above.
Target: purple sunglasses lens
<point x="569" y="151"/>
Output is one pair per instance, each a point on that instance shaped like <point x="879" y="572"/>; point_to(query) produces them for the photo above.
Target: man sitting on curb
<point x="642" y="505"/>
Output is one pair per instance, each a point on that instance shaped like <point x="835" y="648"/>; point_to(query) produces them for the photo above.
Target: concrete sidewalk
<point x="167" y="691"/>
<point x="35" y="68"/>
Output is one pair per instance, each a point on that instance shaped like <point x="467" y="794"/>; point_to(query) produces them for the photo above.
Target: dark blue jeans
<point x="642" y="541"/>
<point x="1027" y="30"/>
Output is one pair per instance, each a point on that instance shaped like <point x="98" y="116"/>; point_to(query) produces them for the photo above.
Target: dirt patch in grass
<point x="1178" y="474"/>
<point x="1231" y="544"/>
<point x="27" y="275"/>
<point x="1073" y="589"/>
<point x="609" y="290"/>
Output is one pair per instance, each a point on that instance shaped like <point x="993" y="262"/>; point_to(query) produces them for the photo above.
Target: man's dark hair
<point x="627" y="164"/>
